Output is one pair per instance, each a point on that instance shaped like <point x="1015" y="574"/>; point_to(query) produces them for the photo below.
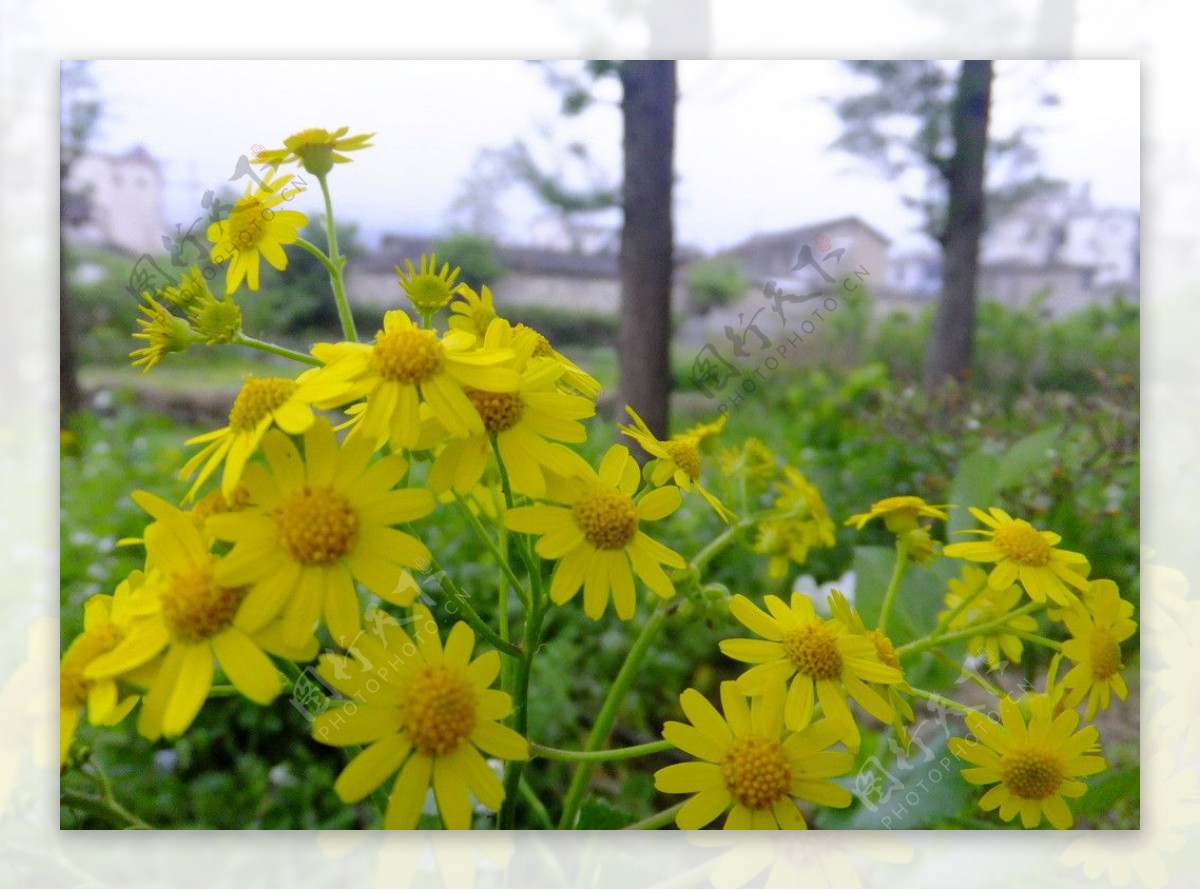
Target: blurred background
<point x="977" y="229"/>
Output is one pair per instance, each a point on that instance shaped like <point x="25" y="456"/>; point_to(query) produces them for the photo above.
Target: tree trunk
<point x="647" y="240"/>
<point x="953" y="337"/>
<point x="69" y="398"/>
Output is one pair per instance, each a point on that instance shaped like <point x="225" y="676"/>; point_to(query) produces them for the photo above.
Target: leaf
<point x="1022" y="462"/>
<point x="918" y="601"/>
<point x="974" y="485"/>
<point x="1118" y="785"/>
<point x="599" y="815"/>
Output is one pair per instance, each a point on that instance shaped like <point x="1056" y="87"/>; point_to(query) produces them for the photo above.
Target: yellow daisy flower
<point x="677" y="459"/>
<point x="899" y="514"/>
<point x="985" y="604"/>
<point x="317" y="150"/>
<point x="823" y="659"/>
<point x="749" y="765"/>
<point x="407" y="365"/>
<point x="197" y="621"/>
<point x="575" y="377"/>
<point x="596" y="538"/>
<point x="1033" y="765"/>
<point x="427" y="288"/>
<point x="753" y="459"/>
<point x="426" y="711"/>
<point x="842" y="611"/>
<point x="805" y="524"/>
<point x="472" y="312"/>
<point x="1095" y="646"/>
<point x="521" y="422"/>
<point x="105" y="621"/>
<point x="1022" y="552"/>
<point x="163" y="332"/>
<point x="319" y="523"/>
<point x="255" y="229"/>
<point x="261" y="403"/>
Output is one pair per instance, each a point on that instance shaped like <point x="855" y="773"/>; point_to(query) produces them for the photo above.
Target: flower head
<point x="428" y="288"/>
<point x="1023" y="553"/>
<point x="754" y="460"/>
<point x="317" y="150"/>
<point x="472" y="312"/>
<point x="423" y="710"/>
<point x="676" y="459"/>
<point x="318" y="524"/>
<point x="975" y="602"/>
<point x="899" y="514"/>
<point x="824" y="660"/>
<point x="163" y="331"/>
<point x="254" y="229"/>
<point x="574" y="377"/>
<point x="595" y="534"/>
<point x="1095" y="647"/>
<point x="1033" y="764"/>
<point x="748" y="764"/>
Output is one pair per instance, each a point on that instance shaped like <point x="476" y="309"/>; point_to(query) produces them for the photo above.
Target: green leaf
<point x="599" y="815"/>
<point x="1118" y="785"/>
<point x="974" y="485"/>
<point x="1021" y="462"/>
<point x="918" y="601"/>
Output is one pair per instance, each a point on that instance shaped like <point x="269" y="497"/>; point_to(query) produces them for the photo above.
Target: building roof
<point x="802" y="234"/>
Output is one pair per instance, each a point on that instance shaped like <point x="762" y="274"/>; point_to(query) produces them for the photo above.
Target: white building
<point x="115" y="202"/>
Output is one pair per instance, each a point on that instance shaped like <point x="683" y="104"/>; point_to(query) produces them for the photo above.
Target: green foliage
<point x="715" y="282"/>
<point x="474" y="254"/>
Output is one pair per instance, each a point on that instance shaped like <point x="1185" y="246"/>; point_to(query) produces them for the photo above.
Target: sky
<point x="751" y="142"/>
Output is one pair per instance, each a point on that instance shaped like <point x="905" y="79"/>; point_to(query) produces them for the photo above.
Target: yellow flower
<point x="824" y="660"/>
<point x="596" y="538"/>
<point x="428" y="289"/>
<point x="426" y="711"/>
<point x="105" y="621"/>
<point x="191" y="291"/>
<point x="754" y="459"/>
<point x="899" y="514"/>
<point x="407" y="365"/>
<point x="317" y="150"/>
<point x="256" y="229"/>
<point x="1033" y="765"/>
<point x="575" y="377"/>
<point x="1022" y="552"/>
<point x="749" y="764"/>
<point x="261" y="403"/>
<point x="320" y="523"/>
<point x="520" y="422"/>
<point x="984" y="604"/>
<point x="472" y="312"/>
<point x="197" y="620"/>
<point x="678" y="459"/>
<point x="163" y="332"/>
<point x="1095" y="647"/>
<point x="841" y="610"/>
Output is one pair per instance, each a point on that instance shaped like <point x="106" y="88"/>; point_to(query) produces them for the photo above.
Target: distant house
<point x="537" y="277"/>
<point x="772" y="256"/>
<point x="115" y="202"/>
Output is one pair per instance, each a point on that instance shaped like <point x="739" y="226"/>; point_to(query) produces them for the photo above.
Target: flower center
<point x="1106" y="655"/>
<point x="684" y="453"/>
<point x="1022" y="543"/>
<point x="500" y="410"/>
<point x="756" y="772"/>
<point x="884" y="649"/>
<point x="215" y="502"/>
<point x="813" y="650"/>
<point x="428" y="293"/>
<point x="258" y="398"/>
<point x="72" y="685"/>
<point x="438" y="709"/>
<point x="247" y="223"/>
<point x="606" y="517"/>
<point x="317" y="526"/>
<point x="408" y="355"/>
<point x="194" y="607"/>
<point x="1031" y="773"/>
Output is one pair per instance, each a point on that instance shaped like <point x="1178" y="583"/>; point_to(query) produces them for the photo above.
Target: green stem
<point x="969" y="674"/>
<point x="514" y="768"/>
<point x="262" y="345"/>
<point x="608" y="712"/>
<point x="942" y="701"/>
<point x="893" y="586"/>
<point x="459" y="597"/>
<point x="535" y="805"/>
<point x="1040" y="640"/>
<point x="483" y="535"/>
<point x="109" y="810"/>
<point x="223" y="691"/>
<point x="335" y="268"/>
<point x="966" y="633"/>
<point x="958" y="610"/>
<point x="319" y="254"/>
<point x="719" y="543"/>
<point x="658" y="820"/>
<point x="612" y="754"/>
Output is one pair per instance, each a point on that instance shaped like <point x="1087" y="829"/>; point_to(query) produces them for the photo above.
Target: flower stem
<point x="893" y="585"/>
<point x="969" y="674"/>
<point x="483" y="535"/>
<point x="941" y="701"/>
<point x="336" y="261"/>
<point x="514" y="768"/>
<point x="109" y="810"/>
<point x="608" y="712"/>
<point x="535" y="805"/>
<point x="1040" y="640"/>
<point x="264" y="346"/>
<point x="318" y="253"/>
<point x="612" y="754"/>
<point x="658" y="820"/>
<point x="966" y="633"/>
<point x="958" y="610"/>
<point x="455" y="595"/>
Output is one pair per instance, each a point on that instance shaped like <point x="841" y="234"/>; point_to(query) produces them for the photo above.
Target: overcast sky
<point x="751" y="150"/>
